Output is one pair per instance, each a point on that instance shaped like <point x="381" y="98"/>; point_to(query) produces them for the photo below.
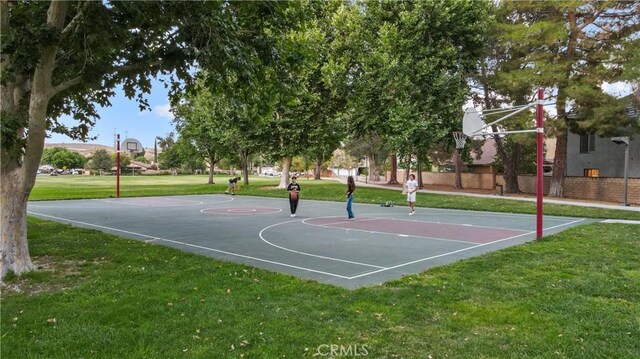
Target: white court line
<point x="309" y="254"/>
<point x="447" y="223"/>
<point x="387" y="233"/>
<point x="343" y="221"/>
<point x="124" y="199"/>
<point x="457" y="251"/>
<point x="239" y="210"/>
<point x="193" y="245"/>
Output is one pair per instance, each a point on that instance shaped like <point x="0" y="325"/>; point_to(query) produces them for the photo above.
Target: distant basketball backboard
<point x="132" y="145"/>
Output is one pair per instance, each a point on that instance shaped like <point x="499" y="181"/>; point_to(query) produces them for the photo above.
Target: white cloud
<point x="617" y="89"/>
<point x="163" y="111"/>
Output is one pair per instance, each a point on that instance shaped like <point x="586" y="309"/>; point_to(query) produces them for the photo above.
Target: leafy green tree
<point x="205" y="119"/>
<point x="60" y="157"/>
<point x="170" y="156"/>
<point x="66" y="57"/>
<point x="572" y="48"/>
<point x="49" y="153"/>
<point x="404" y="67"/>
<point x="287" y="124"/>
<point x="68" y="159"/>
<point x="101" y="160"/>
<point x="125" y="161"/>
<point x="141" y="159"/>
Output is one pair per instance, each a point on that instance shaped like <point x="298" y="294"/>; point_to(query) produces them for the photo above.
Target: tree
<point x="404" y="67"/>
<point x="204" y="119"/>
<point x="64" y="57"/>
<point x="125" y="161"/>
<point x="68" y="159"/>
<point x="141" y="159"/>
<point x="101" y="160"/>
<point x="170" y="156"/>
<point x="572" y="48"/>
<point x="60" y="157"/>
<point x="287" y="90"/>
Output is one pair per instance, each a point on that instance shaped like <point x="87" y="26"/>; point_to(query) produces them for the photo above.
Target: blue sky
<point x="124" y="117"/>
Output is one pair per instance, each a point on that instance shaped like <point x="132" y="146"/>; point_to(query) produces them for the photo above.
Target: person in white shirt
<point x="411" y="187"/>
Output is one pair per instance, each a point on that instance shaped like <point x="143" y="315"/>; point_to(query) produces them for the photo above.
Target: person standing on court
<point x="411" y="187"/>
<point x="294" y="191"/>
<point x="351" y="187"/>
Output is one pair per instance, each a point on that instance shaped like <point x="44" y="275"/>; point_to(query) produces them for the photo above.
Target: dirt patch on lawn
<point x="61" y="271"/>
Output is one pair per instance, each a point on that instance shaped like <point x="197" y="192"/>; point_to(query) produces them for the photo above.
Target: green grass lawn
<point x="575" y="294"/>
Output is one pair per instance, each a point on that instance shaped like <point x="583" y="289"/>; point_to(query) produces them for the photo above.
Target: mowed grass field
<point x="575" y="294"/>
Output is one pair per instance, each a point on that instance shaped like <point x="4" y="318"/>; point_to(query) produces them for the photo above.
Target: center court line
<point x="456" y="251"/>
<point x="192" y="245"/>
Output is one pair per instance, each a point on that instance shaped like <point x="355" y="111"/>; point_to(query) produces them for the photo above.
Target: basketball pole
<point x="539" y="162"/>
<point x="118" y="167"/>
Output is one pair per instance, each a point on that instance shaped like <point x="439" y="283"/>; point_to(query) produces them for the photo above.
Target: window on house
<point x="588" y="143"/>
<point x="591" y="172"/>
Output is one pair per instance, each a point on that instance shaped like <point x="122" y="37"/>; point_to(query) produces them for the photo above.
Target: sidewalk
<point x="518" y="197"/>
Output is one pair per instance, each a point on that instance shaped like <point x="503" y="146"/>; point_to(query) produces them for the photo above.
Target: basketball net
<point x="460" y="138"/>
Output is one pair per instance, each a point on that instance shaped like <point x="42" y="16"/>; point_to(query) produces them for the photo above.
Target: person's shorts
<point x="411" y="197"/>
<point x="230" y="185"/>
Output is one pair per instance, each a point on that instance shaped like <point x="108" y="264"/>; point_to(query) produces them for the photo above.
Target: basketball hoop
<point x="460" y="138"/>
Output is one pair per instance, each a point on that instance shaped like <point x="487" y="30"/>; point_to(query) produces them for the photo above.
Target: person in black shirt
<point x="231" y="187"/>
<point x="294" y="190"/>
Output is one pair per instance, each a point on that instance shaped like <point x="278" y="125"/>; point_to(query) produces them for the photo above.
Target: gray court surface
<point x="382" y="243"/>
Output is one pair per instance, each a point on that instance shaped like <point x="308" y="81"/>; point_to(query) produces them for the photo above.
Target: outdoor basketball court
<point x="382" y="243"/>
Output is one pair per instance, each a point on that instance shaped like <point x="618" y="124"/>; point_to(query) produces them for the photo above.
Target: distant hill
<point x="87" y="149"/>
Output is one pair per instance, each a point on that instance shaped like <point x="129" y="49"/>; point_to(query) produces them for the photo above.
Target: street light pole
<point x="626" y="173"/>
<point x="624" y="141"/>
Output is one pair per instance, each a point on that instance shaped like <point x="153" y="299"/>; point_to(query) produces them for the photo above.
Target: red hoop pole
<point x="539" y="162"/>
<point x="118" y="166"/>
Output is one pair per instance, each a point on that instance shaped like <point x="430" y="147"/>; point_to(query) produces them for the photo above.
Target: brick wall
<point x="469" y="180"/>
<point x="527" y="183"/>
<point x="589" y="188"/>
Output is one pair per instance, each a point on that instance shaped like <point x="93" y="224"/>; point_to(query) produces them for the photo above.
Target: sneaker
<point x="412" y="213"/>
<point x="293" y="215"/>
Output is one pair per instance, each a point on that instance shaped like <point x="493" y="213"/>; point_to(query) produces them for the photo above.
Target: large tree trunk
<point x="18" y="174"/>
<point x="393" y="177"/>
<point x="516" y="158"/>
<point x="286" y="166"/>
<point x="211" y="173"/>
<point x="556" y="189"/>
<point x="373" y="174"/>
<point x="458" y="160"/>
<point x="14" y="248"/>
<point x="244" y="159"/>
<point x="510" y="163"/>
<point x="316" y="175"/>
<point x="212" y="163"/>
